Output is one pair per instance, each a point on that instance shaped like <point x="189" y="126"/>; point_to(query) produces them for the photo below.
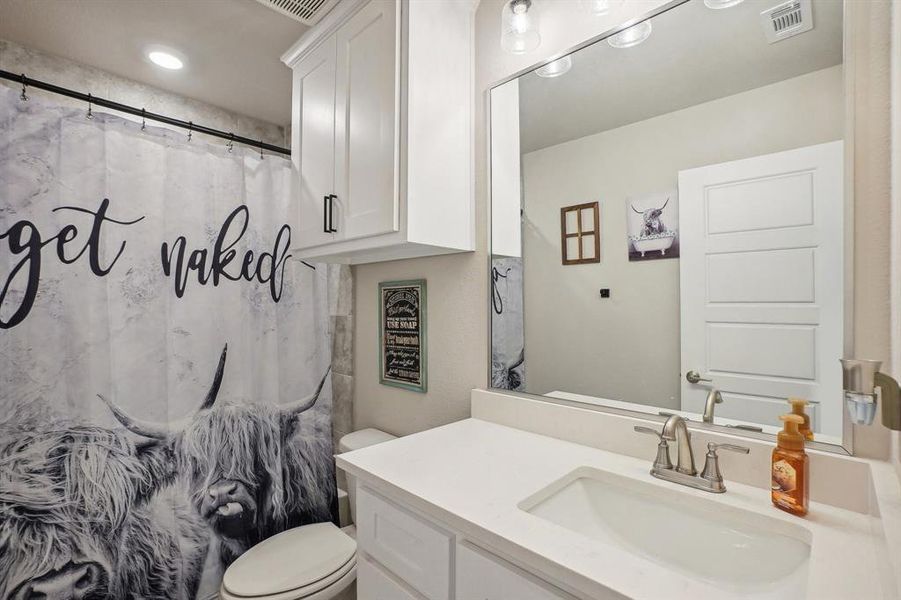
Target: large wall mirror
<point x="670" y="226"/>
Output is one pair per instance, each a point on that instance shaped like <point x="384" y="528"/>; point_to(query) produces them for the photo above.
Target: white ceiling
<point x="694" y="55"/>
<point x="231" y="47"/>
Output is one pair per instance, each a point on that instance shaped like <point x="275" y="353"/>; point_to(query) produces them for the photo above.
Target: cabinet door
<point x="313" y="142"/>
<point x="374" y="583"/>
<point x="414" y="549"/>
<point x="483" y="576"/>
<point x="366" y="122"/>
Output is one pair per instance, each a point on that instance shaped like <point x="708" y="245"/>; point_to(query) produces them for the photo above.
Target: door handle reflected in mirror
<point x="695" y="377"/>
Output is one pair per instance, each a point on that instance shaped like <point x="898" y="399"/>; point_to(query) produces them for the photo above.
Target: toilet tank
<point x="355" y="441"/>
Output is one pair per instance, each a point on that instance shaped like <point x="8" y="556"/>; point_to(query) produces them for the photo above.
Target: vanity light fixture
<point x="555" y="68"/>
<point x="519" y="26"/>
<point x="632" y="36"/>
<point x="718" y="4"/>
<point x="165" y="60"/>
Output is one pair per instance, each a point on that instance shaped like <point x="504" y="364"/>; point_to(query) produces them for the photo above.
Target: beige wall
<point x="896" y="208"/>
<point x="457" y="284"/>
<point x="458" y="334"/>
<point x="627" y="347"/>
<point x="868" y="36"/>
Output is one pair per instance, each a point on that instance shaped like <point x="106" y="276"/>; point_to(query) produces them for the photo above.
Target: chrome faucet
<point x="675" y="430"/>
<point x="713" y="398"/>
<point x="684" y="473"/>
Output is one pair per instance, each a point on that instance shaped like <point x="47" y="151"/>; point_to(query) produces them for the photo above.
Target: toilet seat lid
<point x="290" y="560"/>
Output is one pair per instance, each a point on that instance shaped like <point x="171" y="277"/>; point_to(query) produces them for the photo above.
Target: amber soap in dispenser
<point x="790" y="468"/>
<point x="798" y="405"/>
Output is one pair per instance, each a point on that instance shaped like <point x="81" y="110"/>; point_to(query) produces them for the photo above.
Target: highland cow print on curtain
<point x="508" y="352"/>
<point x="165" y="396"/>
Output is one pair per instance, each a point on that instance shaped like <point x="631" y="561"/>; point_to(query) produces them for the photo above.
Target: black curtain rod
<point x="140" y="112"/>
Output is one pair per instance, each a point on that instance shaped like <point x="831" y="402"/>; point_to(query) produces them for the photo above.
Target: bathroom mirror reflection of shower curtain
<point x="741" y="132"/>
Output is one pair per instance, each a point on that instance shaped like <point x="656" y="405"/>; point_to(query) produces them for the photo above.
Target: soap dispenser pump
<point x="798" y="405"/>
<point x="789" y="470"/>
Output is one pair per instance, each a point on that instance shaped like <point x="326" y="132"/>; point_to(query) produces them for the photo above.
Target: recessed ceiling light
<point x="632" y="36"/>
<point x="165" y="60"/>
<point x="556" y="68"/>
<point x="717" y="4"/>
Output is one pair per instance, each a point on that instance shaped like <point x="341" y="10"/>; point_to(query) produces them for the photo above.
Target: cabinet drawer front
<point x="414" y="550"/>
<point x="482" y="576"/>
<point x="373" y="583"/>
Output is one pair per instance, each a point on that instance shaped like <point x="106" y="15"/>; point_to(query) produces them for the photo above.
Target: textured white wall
<point x="86" y="79"/>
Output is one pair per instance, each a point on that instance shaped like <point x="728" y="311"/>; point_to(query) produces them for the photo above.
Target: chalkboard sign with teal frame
<point x="403" y="360"/>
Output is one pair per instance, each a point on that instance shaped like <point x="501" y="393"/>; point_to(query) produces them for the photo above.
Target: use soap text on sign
<point x="402" y="334"/>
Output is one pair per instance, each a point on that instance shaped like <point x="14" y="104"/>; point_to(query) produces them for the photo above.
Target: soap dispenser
<point x="789" y="471"/>
<point x="798" y="405"/>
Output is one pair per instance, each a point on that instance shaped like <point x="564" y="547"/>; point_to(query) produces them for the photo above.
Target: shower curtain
<point x="165" y="401"/>
<point x="508" y="351"/>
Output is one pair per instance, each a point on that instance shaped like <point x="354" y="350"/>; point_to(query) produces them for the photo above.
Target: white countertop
<point x="471" y="475"/>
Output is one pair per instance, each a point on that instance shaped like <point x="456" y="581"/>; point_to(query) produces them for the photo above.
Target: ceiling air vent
<point x="787" y="19"/>
<point x="307" y="12"/>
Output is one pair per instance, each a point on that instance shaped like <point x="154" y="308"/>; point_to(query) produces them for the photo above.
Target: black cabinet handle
<point x="325" y="214"/>
<point x="331" y="213"/>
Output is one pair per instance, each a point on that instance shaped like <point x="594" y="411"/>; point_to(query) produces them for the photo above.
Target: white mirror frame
<point x="847" y="445"/>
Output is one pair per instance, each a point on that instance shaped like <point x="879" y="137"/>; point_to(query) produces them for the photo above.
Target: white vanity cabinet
<point x="381" y="135"/>
<point x="404" y="555"/>
<point x="482" y="576"/>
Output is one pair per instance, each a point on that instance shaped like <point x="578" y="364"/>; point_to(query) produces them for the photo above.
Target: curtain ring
<point x="143" y="120"/>
<point x="261" y="149"/>
<point x="24" y="96"/>
<point x="190" y="129"/>
<point x="90" y="111"/>
<point x="231" y="142"/>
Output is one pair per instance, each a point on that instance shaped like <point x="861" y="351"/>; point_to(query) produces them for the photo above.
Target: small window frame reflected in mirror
<point x="574" y="233"/>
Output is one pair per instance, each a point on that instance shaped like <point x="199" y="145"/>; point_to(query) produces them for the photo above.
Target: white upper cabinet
<point x="365" y="122"/>
<point x="382" y="131"/>
<point x="313" y="140"/>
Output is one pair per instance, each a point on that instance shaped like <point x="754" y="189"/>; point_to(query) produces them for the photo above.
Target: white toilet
<point x="313" y="562"/>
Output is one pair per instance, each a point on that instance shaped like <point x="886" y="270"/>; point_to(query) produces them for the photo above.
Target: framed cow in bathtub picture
<point x="652" y="222"/>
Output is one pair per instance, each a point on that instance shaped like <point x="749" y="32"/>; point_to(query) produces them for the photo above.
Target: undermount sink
<point x="730" y="548"/>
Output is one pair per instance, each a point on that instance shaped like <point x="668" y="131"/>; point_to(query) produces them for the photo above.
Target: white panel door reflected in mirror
<point x="737" y="275"/>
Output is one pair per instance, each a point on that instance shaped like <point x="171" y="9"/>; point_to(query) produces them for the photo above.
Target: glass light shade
<point x="632" y="36"/>
<point x="519" y="26"/>
<point x="556" y="68"/>
<point x="717" y="4"/>
<point x="597" y="8"/>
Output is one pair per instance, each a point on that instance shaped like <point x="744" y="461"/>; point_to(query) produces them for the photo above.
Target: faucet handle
<point x="648" y="430"/>
<point x="711" y="470"/>
<point x="663" y="460"/>
<point x="713" y="447"/>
